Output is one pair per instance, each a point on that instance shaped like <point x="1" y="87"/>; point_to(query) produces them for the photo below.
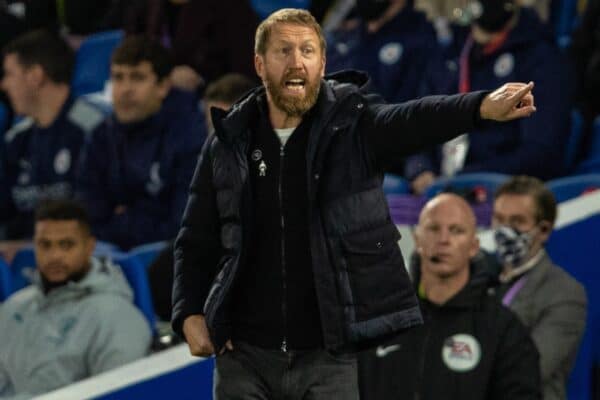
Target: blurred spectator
<point x="139" y="164"/>
<point x="505" y="44"/>
<point x="32" y="14"/>
<point x="40" y="153"/>
<point x="222" y="94"/>
<point x="76" y="320"/>
<point x="546" y="298"/>
<point x="585" y="50"/>
<point x="203" y="43"/>
<point x="457" y="11"/>
<point x="10" y="26"/>
<point x="201" y="34"/>
<point x="390" y="41"/>
<point x="470" y="346"/>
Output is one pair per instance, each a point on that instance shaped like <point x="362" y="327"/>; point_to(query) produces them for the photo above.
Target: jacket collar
<point x="232" y="125"/>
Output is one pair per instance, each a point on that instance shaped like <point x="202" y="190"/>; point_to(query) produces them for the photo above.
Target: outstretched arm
<point x="399" y="130"/>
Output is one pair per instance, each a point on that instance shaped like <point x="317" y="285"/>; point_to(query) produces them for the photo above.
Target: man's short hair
<point x="286" y="16"/>
<point x="544" y="200"/>
<point x="63" y="210"/>
<point x="228" y="88"/>
<point x="139" y="48"/>
<point x="46" y="49"/>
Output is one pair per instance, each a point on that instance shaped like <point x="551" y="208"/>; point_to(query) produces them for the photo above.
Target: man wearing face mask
<point x="389" y="40"/>
<point x="505" y="43"/>
<point x="546" y="298"/>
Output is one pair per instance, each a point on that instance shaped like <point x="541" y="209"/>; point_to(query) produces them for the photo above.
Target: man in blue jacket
<point x="40" y="153"/>
<point x="139" y="163"/>
<point x="389" y="40"/>
<point x="505" y="44"/>
<point x="287" y="258"/>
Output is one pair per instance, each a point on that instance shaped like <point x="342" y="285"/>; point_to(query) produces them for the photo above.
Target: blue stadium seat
<point x="466" y="183"/>
<point x="92" y="64"/>
<point x="3" y="119"/>
<point x="570" y="247"/>
<point x="565" y="20"/>
<point x="393" y="184"/>
<point x="147" y="253"/>
<point x="136" y="275"/>
<point x="265" y="7"/>
<point x="22" y="268"/>
<point x="572" y="186"/>
<point x="5" y="281"/>
<point x="575" y="141"/>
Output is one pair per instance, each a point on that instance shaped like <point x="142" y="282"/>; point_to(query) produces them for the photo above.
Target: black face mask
<point x="370" y="10"/>
<point x="495" y="14"/>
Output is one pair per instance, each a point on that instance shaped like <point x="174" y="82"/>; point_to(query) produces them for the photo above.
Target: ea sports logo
<point x="461" y="352"/>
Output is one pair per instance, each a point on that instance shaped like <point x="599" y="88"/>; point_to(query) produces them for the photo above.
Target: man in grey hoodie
<point x="76" y="320"/>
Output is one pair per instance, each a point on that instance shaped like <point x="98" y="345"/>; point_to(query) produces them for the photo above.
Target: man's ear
<point x="259" y="65"/>
<point x="545" y="230"/>
<point x="323" y="64"/>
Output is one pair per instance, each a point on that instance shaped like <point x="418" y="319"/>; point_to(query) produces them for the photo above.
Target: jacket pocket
<point x="375" y="273"/>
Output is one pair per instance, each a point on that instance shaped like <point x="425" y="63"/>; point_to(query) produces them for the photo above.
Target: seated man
<point x="470" y="346"/>
<point x="550" y="303"/>
<point x="505" y="44"/>
<point x="390" y="41"/>
<point x="40" y="154"/>
<point x="76" y="320"/>
<point x="139" y="164"/>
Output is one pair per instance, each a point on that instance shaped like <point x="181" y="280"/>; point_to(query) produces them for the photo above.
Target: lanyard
<point x="464" y="82"/>
<point x="512" y="292"/>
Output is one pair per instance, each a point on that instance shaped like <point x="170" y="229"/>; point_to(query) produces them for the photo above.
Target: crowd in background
<point x="130" y="164"/>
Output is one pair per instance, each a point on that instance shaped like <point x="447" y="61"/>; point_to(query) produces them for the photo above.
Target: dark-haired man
<point x="40" y="154"/>
<point x="551" y="304"/>
<point x="76" y="320"/>
<point x="139" y="163"/>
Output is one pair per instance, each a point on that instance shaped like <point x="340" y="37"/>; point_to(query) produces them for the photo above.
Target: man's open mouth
<point x="295" y="84"/>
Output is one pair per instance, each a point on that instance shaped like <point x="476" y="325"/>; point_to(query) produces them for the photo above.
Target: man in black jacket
<point x="470" y="346"/>
<point x="287" y="258"/>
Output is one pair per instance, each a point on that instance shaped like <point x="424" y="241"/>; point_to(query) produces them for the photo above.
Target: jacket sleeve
<point x="559" y="329"/>
<point x="398" y="130"/>
<point x="122" y="335"/>
<point x="542" y="137"/>
<point x="91" y="184"/>
<point x="198" y="244"/>
<point x="516" y="370"/>
<point x="138" y="223"/>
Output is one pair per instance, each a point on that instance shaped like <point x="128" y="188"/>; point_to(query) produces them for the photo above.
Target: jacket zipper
<point x="421" y="372"/>
<point x="283" y="271"/>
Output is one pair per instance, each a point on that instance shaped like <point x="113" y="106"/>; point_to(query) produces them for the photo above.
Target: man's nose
<point x="296" y="59"/>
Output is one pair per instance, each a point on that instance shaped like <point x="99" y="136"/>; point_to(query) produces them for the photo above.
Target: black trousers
<point x="250" y="372"/>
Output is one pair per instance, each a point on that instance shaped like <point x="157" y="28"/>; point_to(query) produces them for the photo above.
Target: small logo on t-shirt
<point x="383" y="351"/>
<point x="461" y="352"/>
<point x="504" y="65"/>
<point x="155" y="184"/>
<point x="62" y="161"/>
<point x="391" y="53"/>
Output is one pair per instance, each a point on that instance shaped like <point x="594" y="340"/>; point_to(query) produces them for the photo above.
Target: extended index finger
<point x="521" y="93"/>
